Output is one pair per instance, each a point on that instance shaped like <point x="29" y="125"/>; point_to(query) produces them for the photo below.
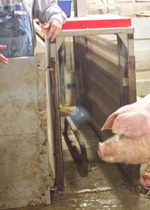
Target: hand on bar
<point x="53" y="28"/>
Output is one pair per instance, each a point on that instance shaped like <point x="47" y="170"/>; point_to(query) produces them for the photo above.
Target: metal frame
<point x="124" y="40"/>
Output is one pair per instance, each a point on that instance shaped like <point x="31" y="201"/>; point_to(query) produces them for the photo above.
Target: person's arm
<point x="48" y="11"/>
<point x="2" y="58"/>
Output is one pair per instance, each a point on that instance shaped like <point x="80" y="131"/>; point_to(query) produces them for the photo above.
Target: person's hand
<point x="53" y="28"/>
<point x="2" y="58"/>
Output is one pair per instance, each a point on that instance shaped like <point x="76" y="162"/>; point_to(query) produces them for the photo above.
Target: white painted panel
<point x="40" y="48"/>
<point x="18" y="94"/>
<point x="20" y="172"/>
<point x="141" y="44"/>
<point x="143" y="82"/>
<point x="141" y="27"/>
<point x="143" y="87"/>
<point x="143" y="75"/>
<point x="142" y="59"/>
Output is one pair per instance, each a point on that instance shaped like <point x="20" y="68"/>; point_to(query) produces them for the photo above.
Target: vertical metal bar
<point x="62" y="69"/>
<point x="131" y="69"/>
<point x="76" y="64"/>
<point x="135" y="169"/>
<point x="122" y="65"/>
<point x="128" y="93"/>
<point x="56" y="116"/>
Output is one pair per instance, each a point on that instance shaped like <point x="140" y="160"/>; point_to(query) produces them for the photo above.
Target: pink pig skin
<point x="122" y="149"/>
<point x="131" y="120"/>
<point x="145" y="175"/>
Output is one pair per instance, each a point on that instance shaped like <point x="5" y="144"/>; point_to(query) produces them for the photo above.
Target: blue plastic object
<point x="65" y="6"/>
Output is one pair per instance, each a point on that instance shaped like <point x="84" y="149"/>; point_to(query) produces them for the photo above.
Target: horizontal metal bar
<point x="39" y="31"/>
<point x="100" y="31"/>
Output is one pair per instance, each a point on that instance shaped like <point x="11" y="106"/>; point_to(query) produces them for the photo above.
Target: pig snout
<point x="145" y="181"/>
<point x="103" y="153"/>
<point x="123" y="149"/>
<point x="145" y="175"/>
<point x="100" y="150"/>
<point x="107" y="150"/>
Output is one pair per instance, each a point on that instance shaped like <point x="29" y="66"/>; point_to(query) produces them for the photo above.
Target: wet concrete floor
<point x="105" y="187"/>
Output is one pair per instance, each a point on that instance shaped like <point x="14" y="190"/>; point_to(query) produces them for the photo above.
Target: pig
<point x="123" y="149"/>
<point x="131" y="142"/>
<point x="131" y="120"/>
<point x="145" y="175"/>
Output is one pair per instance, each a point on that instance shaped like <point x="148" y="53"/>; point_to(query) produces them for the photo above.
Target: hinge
<point x="125" y="82"/>
<point x="49" y="69"/>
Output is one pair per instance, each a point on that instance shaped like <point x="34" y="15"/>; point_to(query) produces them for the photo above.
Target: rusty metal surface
<point x="54" y="78"/>
<point x="24" y="177"/>
<point x="132" y="79"/>
<point x="79" y="157"/>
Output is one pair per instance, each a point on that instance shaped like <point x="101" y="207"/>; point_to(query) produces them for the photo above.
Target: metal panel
<point x="43" y="46"/>
<point x="106" y="82"/>
<point x="24" y="177"/>
<point x="54" y="76"/>
<point x="53" y="112"/>
<point x="99" y="78"/>
<point x="67" y="74"/>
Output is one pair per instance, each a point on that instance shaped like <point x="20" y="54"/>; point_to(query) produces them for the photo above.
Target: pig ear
<point x="110" y="120"/>
<point x="134" y="124"/>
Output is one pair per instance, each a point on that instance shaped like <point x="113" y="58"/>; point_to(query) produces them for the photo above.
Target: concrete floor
<point x="105" y="187"/>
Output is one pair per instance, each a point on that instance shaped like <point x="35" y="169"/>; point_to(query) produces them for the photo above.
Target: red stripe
<point x="99" y="21"/>
<point x="91" y="24"/>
